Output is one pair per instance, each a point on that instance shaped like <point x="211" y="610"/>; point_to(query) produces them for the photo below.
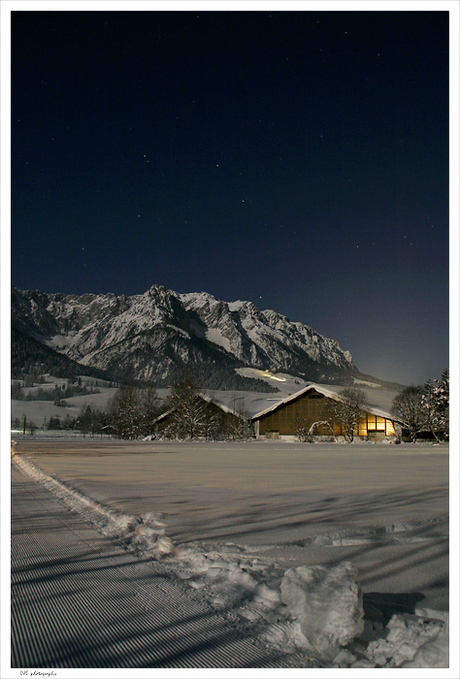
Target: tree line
<point x="57" y="394"/>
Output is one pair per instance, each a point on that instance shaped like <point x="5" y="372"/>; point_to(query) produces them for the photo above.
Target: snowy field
<point x="340" y="550"/>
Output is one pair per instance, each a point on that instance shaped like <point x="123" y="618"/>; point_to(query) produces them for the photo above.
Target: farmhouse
<point x="312" y="405"/>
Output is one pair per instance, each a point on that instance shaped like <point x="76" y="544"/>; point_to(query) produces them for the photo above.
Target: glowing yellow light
<point x="267" y="373"/>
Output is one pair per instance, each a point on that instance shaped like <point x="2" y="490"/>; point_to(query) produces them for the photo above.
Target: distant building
<point x="202" y="418"/>
<point x="230" y="414"/>
<point x="312" y="405"/>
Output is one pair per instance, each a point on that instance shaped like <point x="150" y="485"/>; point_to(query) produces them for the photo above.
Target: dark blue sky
<point x="296" y="159"/>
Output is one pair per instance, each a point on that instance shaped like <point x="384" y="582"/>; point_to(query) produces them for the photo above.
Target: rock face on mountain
<point x="155" y="336"/>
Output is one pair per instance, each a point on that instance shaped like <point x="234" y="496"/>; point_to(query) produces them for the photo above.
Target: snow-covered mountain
<point x="154" y="336"/>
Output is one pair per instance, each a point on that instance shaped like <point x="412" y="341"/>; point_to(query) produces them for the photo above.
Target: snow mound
<point x="327" y="602"/>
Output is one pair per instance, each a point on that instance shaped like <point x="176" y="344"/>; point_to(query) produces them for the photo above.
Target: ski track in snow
<point x="315" y="612"/>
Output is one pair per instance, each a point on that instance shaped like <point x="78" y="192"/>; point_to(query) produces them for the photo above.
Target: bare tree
<point x="348" y="411"/>
<point x="238" y="425"/>
<point x="125" y="409"/>
<point x="150" y="408"/>
<point x="302" y="430"/>
<point x="408" y="409"/>
<point x="188" y="414"/>
<point x="306" y="428"/>
<point x="212" y="422"/>
<point x="32" y="428"/>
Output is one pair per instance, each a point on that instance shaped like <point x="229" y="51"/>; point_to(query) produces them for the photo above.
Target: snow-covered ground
<point x="336" y="552"/>
<point x="39" y="412"/>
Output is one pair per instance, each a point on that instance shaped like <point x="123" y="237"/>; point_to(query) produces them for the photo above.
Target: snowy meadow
<point x="338" y="553"/>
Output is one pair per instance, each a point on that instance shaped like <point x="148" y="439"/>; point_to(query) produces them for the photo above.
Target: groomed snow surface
<point x="369" y="517"/>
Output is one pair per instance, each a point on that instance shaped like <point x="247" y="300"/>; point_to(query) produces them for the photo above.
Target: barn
<point x="312" y="404"/>
<point x="200" y="417"/>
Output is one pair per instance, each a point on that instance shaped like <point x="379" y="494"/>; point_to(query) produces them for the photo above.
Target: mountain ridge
<point x="155" y="336"/>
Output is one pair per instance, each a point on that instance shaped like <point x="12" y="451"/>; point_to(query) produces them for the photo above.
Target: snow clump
<point x="327" y="602"/>
<point x="412" y="641"/>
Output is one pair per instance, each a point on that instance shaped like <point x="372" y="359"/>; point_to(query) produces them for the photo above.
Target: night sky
<point x="296" y="159"/>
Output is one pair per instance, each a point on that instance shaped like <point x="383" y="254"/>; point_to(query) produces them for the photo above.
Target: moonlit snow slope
<point x="316" y="610"/>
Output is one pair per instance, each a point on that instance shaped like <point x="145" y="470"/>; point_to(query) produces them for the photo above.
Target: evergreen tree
<point x="435" y="402"/>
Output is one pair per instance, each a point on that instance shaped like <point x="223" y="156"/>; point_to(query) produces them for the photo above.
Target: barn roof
<point x="253" y="405"/>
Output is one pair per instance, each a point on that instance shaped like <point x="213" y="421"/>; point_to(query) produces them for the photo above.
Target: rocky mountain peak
<point x="154" y="335"/>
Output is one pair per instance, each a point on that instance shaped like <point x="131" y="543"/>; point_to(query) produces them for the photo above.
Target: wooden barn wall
<point x="307" y="409"/>
<point x="313" y="407"/>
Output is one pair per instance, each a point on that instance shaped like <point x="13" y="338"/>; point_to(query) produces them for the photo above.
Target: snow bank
<point x="314" y="611"/>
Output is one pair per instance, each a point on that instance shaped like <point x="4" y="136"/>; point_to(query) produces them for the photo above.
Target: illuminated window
<point x="380" y="424"/>
<point x="390" y="430"/>
<point x="371" y="422"/>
